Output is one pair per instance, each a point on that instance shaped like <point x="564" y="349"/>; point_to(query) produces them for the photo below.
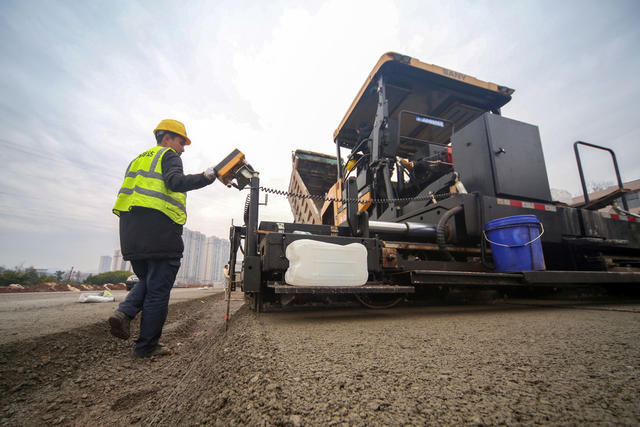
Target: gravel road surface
<point x="521" y="362"/>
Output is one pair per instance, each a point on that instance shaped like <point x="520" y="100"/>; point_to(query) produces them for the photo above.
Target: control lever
<point x="234" y="167"/>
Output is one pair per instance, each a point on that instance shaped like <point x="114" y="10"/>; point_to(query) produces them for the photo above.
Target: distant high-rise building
<point x="214" y="258"/>
<point x="193" y="247"/>
<point x="117" y="262"/>
<point x="105" y="264"/>
<point x="203" y="259"/>
<point x="206" y="260"/>
<point x="222" y="258"/>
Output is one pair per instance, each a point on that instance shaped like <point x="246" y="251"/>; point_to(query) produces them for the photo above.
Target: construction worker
<point x="152" y="211"/>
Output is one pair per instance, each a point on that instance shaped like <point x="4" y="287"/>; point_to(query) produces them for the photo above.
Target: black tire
<point x="379" y="301"/>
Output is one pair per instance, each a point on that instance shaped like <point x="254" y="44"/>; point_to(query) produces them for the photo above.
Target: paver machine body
<point x="424" y="159"/>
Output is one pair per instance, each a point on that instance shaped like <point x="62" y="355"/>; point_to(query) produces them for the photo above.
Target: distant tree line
<point x="108" y="277"/>
<point x="30" y="277"/>
<point x="24" y="276"/>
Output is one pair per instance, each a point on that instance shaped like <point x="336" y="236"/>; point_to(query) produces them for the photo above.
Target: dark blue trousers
<point x="151" y="296"/>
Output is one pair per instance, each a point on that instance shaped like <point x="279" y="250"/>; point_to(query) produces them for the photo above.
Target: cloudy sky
<point x="83" y="85"/>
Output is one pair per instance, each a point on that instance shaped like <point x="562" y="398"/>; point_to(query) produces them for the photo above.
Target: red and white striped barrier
<point x="551" y="208"/>
<point x="619" y="217"/>
<point x="528" y="205"/>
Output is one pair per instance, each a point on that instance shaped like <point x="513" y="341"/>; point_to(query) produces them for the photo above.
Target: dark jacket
<point x="148" y="233"/>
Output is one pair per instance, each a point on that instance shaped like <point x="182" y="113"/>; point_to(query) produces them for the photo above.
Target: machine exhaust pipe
<point x="418" y="229"/>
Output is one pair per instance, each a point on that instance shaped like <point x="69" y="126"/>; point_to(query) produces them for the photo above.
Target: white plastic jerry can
<point x="314" y="263"/>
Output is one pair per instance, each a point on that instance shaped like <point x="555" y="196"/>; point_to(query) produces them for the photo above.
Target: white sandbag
<point x="314" y="263"/>
<point x="104" y="296"/>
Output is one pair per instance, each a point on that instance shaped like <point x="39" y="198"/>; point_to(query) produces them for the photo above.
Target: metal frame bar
<point x="252" y="225"/>
<point x="525" y="278"/>
<point x="365" y="289"/>
<point x="581" y="172"/>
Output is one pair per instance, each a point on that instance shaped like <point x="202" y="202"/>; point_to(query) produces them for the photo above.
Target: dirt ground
<point x="86" y="376"/>
<point x="520" y="362"/>
<point x="29" y="314"/>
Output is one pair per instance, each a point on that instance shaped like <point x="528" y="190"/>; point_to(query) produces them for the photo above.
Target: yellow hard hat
<point x="173" y="126"/>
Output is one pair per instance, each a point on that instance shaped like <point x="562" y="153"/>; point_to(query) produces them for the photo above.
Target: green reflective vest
<point x="144" y="186"/>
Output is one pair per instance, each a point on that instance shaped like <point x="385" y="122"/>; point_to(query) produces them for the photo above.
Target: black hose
<point x="440" y="229"/>
<point x="247" y="202"/>
<point x="364" y="156"/>
<point x="353" y="152"/>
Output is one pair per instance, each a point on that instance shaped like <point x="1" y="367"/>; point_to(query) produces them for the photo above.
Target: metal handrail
<point x="580" y="171"/>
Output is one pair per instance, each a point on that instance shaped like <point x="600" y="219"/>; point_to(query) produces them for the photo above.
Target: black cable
<point x="289" y="194"/>
<point x="247" y="202"/>
<point x="353" y="152"/>
<point x="364" y="156"/>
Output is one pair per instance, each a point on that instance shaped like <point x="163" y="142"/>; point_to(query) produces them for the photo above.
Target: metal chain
<point x="289" y="194"/>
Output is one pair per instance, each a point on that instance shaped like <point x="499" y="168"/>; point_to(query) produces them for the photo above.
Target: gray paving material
<point x="514" y="363"/>
<point x="487" y="364"/>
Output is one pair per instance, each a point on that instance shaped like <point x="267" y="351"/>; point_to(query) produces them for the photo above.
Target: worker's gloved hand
<point x="210" y="174"/>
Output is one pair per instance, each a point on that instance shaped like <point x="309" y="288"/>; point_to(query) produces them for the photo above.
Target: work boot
<point x="119" y="323"/>
<point x="159" y="350"/>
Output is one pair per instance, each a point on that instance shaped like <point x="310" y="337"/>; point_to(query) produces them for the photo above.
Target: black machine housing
<point x="431" y="148"/>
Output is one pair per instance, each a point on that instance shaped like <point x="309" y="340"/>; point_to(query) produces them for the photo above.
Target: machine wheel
<point x="379" y="301"/>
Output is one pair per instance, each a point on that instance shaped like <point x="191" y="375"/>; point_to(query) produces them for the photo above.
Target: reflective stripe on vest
<point x="144" y="186"/>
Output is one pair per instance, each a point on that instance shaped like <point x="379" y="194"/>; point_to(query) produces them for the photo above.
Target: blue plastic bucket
<point x="515" y="243"/>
